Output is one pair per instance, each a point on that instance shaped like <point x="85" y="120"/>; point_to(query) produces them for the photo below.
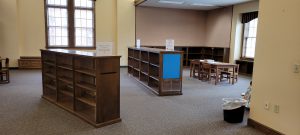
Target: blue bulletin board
<point x="171" y="66"/>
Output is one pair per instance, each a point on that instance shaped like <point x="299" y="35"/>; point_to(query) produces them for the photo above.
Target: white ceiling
<point x="192" y="4"/>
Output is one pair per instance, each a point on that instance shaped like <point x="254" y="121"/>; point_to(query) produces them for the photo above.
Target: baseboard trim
<point x="263" y="128"/>
<point x="13" y="68"/>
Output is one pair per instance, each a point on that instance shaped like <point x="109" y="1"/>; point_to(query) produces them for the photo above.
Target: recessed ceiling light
<point x="171" y="2"/>
<point x="203" y="5"/>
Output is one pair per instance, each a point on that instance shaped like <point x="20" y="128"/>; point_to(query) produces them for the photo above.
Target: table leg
<point x="1" y="77"/>
<point x="199" y="72"/>
<point x="191" y="69"/>
<point x="217" y="75"/>
<point x="233" y="74"/>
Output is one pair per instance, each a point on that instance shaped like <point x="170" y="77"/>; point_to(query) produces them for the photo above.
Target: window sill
<point x="73" y="48"/>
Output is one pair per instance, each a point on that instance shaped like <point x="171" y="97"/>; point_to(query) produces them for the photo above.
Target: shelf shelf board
<point x="143" y="81"/>
<point x="144" y="61"/>
<point x="66" y="80"/>
<point x="50" y="87"/>
<point x="153" y="89"/>
<point x="86" y="72"/>
<point x="195" y="53"/>
<point x="136" y="69"/>
<point x="49" y="97"/>
<point x="67" y="67"/>
<point x="145" y="73"/>
<point x="67" y="93"/>
<point x="49" y="63"/>
<point x="153" y="77"/>
<point x="87" y="101"/>
<point x="86" y="86"/>
<point x="130" y="57"/>
<point x="137" y="77"/>
<point x="50" y="75"/>
<point x="136" y="59"/>
<point x="87" y="114"/>
<point x="155" y="65"/>
<point x="66" y="104"/>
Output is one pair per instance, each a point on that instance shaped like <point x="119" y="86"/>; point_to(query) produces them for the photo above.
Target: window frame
<point x="71" y="25"/>
<point x="246" y="28"/>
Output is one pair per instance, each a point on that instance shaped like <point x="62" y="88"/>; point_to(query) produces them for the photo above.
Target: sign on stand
<point x="170" y="44"/>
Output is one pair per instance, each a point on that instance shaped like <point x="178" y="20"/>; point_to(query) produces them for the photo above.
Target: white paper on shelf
<point x="138" y="43"/>
<point x="104" y="48"/>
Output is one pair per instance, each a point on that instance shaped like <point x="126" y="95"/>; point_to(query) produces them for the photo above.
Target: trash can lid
<point x="233" y="103"/>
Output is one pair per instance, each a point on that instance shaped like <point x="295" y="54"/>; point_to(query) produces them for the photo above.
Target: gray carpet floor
<point x="197" y="112"/>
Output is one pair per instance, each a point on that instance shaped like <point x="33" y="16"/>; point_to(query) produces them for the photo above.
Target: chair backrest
<point x="206" y="66"/>
<point x="4" y="63"/>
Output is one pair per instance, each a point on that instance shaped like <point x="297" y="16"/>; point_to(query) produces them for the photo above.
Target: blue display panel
<point x="171" y="66"/>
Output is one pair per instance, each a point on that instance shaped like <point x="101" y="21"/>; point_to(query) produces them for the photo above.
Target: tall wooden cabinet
<point x="83" y="83"/>
<point x="157" y="69"/>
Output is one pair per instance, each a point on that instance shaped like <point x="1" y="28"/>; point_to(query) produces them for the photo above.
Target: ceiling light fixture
<point x="203" y="5"/>
<point x="171" y="2"/>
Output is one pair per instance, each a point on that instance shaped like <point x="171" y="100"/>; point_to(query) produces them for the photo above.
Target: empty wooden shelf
<point x="157" y="69"/>
<point x="83" y="83"/>
<point x="29" y="62"/>
<point x="246" y="66"/>
<point x="201" y="52"/>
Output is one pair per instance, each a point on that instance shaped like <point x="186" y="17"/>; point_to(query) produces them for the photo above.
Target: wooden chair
<point x="4" y="71"/>
<point x="195" y="68"/>
<point x="229" y="75"/>
<point x="207" y="72"/>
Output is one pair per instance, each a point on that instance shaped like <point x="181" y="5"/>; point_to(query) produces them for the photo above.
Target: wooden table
<point x="219" y="65"/>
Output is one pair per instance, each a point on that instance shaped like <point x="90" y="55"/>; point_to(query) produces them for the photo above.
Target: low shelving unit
<point x="157" y="69"/>
<point x="83" y="83"/>
<point x="200" y="52"/>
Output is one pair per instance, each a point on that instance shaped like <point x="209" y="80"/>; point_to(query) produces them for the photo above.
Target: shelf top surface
<point x="155" y="50"/>
<point x="178" y="46"/>
<point x="215" y="62"/>
<point x="80" y="53"/>
<point x="245" y="60"/>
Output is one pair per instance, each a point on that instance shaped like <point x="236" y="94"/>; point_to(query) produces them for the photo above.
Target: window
<point x="250" y="30"/>
<point x="70" y="23"/>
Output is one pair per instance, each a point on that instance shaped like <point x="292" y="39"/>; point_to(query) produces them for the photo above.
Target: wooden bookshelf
<point x="151" y="67"/>
<point x="246" y="66"/>
<point x="83" y="83"/>
<point x="200" y="52"/>
<point x="30" y="62"/>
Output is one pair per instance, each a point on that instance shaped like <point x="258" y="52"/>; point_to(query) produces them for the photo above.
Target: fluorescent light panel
<point x="203" y="5"/>
<point x="171" y="2"/>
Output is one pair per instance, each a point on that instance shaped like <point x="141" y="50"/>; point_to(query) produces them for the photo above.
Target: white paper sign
<point x="138" y="43"/>
<point x="170" y="45"/>
<point x="104" y="48"/>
